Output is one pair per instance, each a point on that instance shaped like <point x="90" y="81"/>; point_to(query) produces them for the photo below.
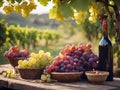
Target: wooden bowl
<point x="97" y="77"/>
<point x="66" y="76"/>
<point x="14" y="62"/>
<point x="30" y="73"/>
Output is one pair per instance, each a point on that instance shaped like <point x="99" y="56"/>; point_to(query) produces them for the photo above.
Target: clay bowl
<point x="96" y="77"/>
<point x="66" y="76"/>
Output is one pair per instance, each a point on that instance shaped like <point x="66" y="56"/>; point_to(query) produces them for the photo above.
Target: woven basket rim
<point x="67" y="73"/>
<point x="29" y="68"/>
<point x="92" y="73"/>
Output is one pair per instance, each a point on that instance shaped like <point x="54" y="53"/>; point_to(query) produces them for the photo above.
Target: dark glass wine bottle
<point x="106" y="51"/>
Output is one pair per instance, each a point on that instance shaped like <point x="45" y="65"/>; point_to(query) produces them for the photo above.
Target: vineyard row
<point x="25" y="36"/>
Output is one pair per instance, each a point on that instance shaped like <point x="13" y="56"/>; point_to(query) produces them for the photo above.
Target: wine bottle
<point x="106" y="51"/>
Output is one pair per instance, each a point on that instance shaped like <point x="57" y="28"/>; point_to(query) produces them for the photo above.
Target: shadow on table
<point x="4" y="88"/>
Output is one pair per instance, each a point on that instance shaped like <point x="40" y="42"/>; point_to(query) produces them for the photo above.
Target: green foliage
<point x="3" y="32"/>
<point x="80" y="4"/>
<point x="65" y="10"/>
<point x="92" y="30"/>
<point x="44" y="2"/>
<point x="2" y="50"/>
<point x="62" y="9"/>
<point x="11" y="1"/>
<point x="117" y="2"/>
<point x="29" y="36"/>
<point x="19" y="1"/>
<point x="1" y="3"/>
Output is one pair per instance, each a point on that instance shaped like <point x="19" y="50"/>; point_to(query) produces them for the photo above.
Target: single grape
<point x="13" y="75"/>
<point x="56" y="69"/>
<point x="9" y="71"/>
<point x="76" y="60"/>
<point x="75" y="64"/>
<point x="51" y="67"/>
<point x="69" y="66"/>
<point x="55" y="63"/>
<point x="62" y="69"/>
<point x="58" y="58"/>
<point x="48" y="70"/>
<point x="68" y="47"/>
<point x="48" y="76"/>
<point x="71" y="61"/>
<point x="8" y="75"/>
<point x="48" y="80"/>
<point x="4" y="74"/>
<point x="66" y="62"/>
<point x="89" y="46"/>
<point x="43" y="77"/>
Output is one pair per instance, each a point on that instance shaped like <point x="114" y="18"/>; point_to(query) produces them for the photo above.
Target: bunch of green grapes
<point x="40" y="60"/>
<point x="24" y="8"/>
<point x="80" y="17"/>
<point x="9" y="73"/>
<point x="94" y="11"/>
<point x="46" y="77"/>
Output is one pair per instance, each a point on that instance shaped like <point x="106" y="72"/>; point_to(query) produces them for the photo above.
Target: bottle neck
<point x="105" y="28"/>
<point x="105" y="34"/>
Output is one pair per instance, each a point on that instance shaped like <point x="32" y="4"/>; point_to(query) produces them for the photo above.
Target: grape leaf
<point x="11" y="1"/>
<point x="43" y="2"/>
<point x="65" y="10"/>
<point x="1" y="3"/>
<point x="80" y="4"/>
<point x="19" y="1"/>
<point x="117" y="2"/>
<point x="52" y="13"/>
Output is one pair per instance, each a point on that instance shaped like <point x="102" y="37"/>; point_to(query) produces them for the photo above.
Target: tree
<point x="76" y="9"/>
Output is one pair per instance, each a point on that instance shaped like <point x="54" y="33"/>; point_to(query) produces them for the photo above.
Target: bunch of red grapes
<point x="74" y="58"/>
<point x="15" y="53"/>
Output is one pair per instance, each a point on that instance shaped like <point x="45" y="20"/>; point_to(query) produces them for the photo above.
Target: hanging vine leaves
<point x="44" y="2"/>
<point x="1" y="3"/>
<point x="65" y="10"/>
<point x="18" y="1"/>
<point x="117" y="2"/>
<point x="80" y="4"/>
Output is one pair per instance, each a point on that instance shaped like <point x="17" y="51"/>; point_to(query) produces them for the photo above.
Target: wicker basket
<point x="97" y="77"/>
<point x="66" y="76"/>
<point x="30" y="73"/>
<point x="14" y="62"/>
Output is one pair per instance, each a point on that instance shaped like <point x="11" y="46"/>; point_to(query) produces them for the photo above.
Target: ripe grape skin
<point x="89" y="46"/>
<point x="56" y="69"/>
<point x="55" y="63"/>
<point x="66" y="62"/>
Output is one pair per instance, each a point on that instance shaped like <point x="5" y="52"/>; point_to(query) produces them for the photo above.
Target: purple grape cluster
<point x="74" y="59"/>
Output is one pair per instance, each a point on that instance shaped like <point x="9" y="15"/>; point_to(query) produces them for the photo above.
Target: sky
<point x="40" y="9"/>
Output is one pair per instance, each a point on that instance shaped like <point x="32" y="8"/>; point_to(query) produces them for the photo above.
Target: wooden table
<point x="22" y="84"/>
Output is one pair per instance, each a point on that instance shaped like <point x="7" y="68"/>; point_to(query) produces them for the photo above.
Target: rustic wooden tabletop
<point x="22" y="84"/>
